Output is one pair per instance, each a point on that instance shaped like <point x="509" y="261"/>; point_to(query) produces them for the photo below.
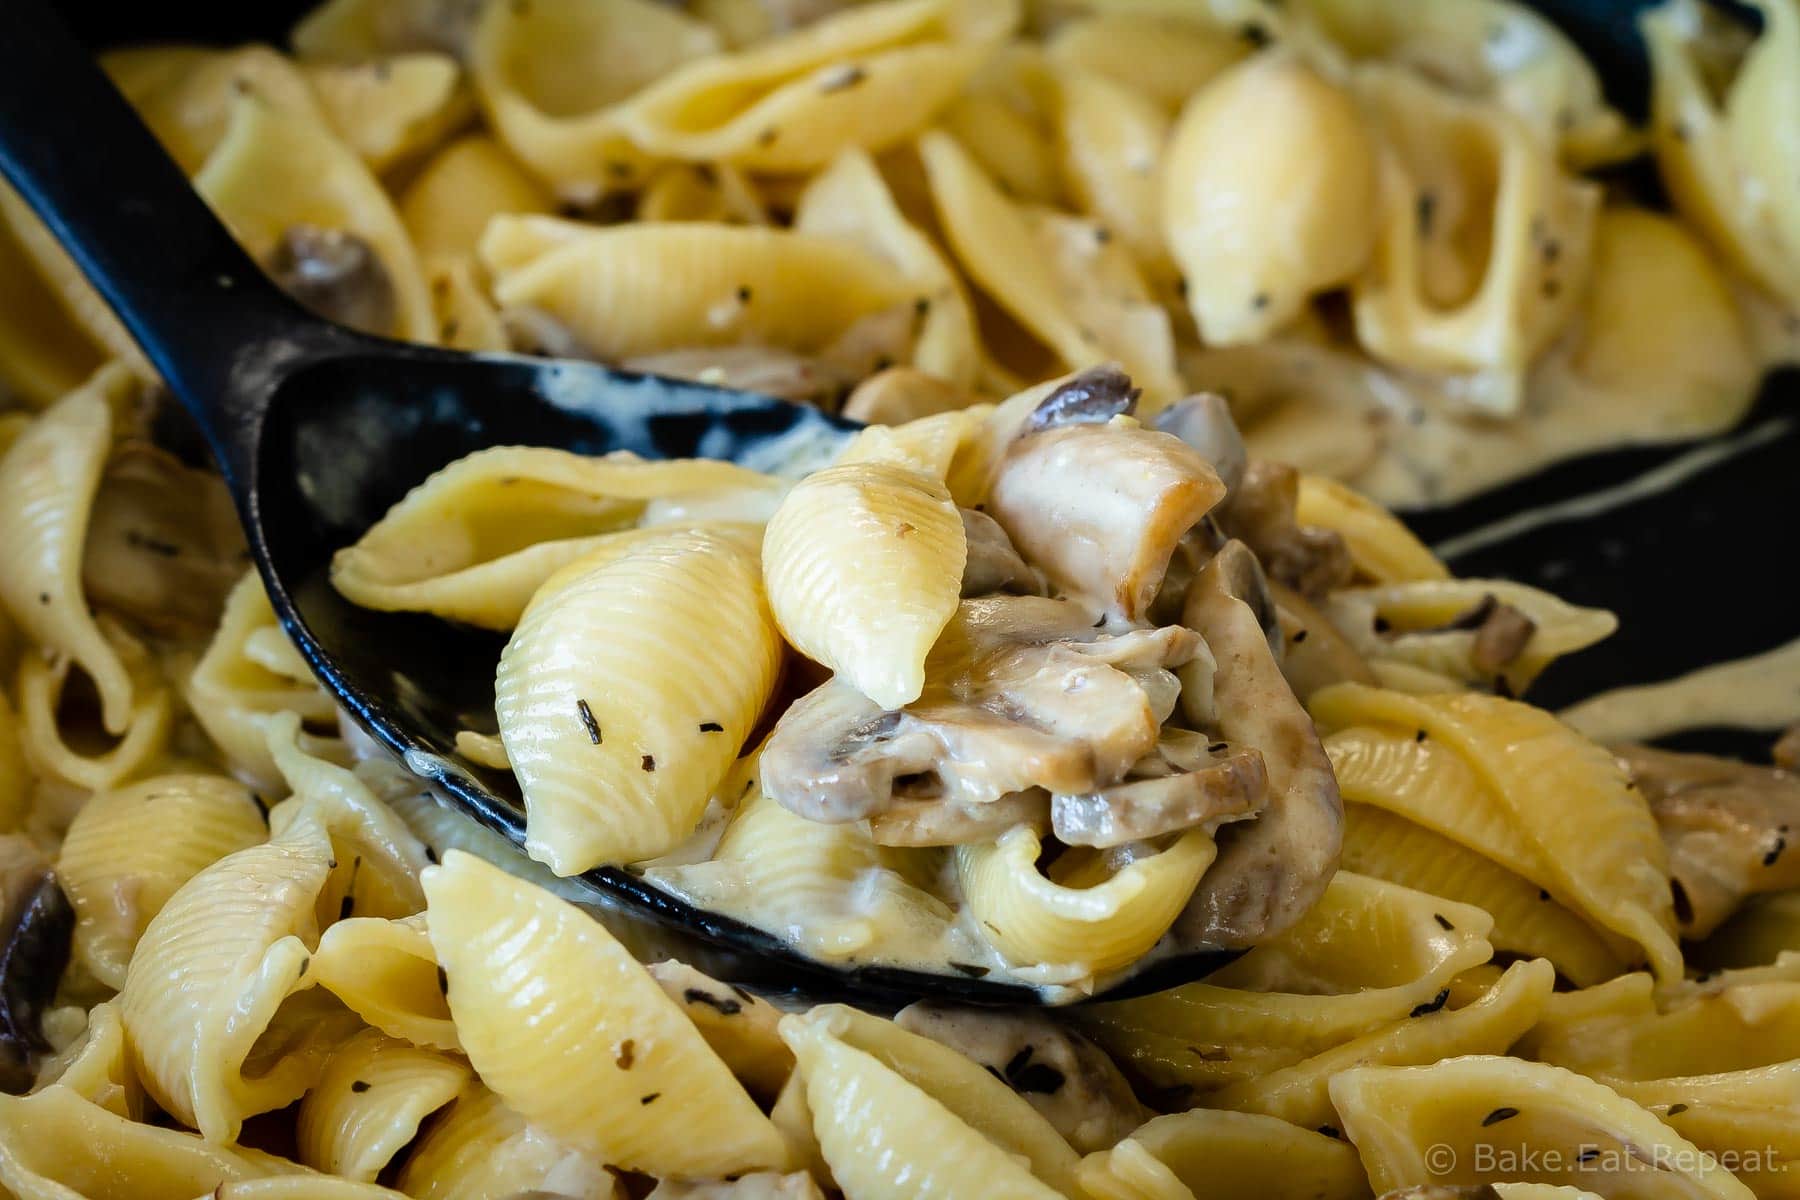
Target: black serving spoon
<point x="318" y="430"/>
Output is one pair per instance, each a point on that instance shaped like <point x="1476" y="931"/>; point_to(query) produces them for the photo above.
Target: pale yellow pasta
<point x="1368" y="954"/>
<point x="370" y="1101"/>
<point x="355" y="30"/>
<point x="460" y="189"/>
<point x="864" y="566"/>
<point x="739" y="1026"/>
<point x="951" y="447"/>
<point x="1659" y="323"/>
<point x="300" y="1187"/>
<point x="619" y="720"/>
<point x="1382" y="547"/>
<point x="1495" y="49"/>
<point x="1269" y="194"/>
<point x="237" y="686"/>
<point x="1494" y="271"/>
<point x="222" y="972"/>
<point x="701" y="192"/>
<point x="524" y="968"/>
<point x="275" y="171"/>
<point x="1602" y="853"/>
<point x="1744" y="1118"/>
<point x="1086" y="911"/>
<point x="1488" y="1025"/>
<point x="1396" y="1115"/>
<point x="95" y="1066"/>
<point x="1110" y="139"/>
<point x="852" y="1086"/>
<point x="1754" y="935"/>
<point x="77" y="300"/>
<point x="796" y="876"/>
<point x="1418" y="629"/>
<point x="849" y="200"/>
<point x="476" y="539"/>
<point x="186" y="94"/>
<point x="1726" y="148"/>
<point x="480" y="1149"/>
<point x="466" y="318"/>
<point x="51" y="752"/>
<point x="57" y="1145"/>
<point x="391" y="109"/>
<point x="1079" y="295"/>
<point x="551" y="77"/>
<point x="130" y="849"/>
<point x="387" y="973"/>
<point x="48" y="479"/>
<point x="868" y="78"/>
<point x="640" y="289"/>
<point x="1229" y="1155"/>
<point x="1004" y="120"/>
<point x="1167" y="55"/>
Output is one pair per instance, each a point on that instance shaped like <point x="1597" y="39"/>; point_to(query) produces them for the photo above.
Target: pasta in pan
<point x="1056" y="672"/>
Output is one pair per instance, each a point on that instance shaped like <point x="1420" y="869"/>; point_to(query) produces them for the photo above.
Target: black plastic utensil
<point x="319" y="430"/>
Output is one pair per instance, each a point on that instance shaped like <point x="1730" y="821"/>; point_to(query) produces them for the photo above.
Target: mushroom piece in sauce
<point x="993" y="564"/>
<point x="1101" y="508"/>
<point x="1064" y="1076"/>
<point x="1732" y="830"/>
<point x="1187" y="782"/>
<point x="36" y="922"/>
<point x="1261" y="513"/>
<point x="337" y="275"/>
<point x="1020" y="692"/>
<point x="1269" y="871"/>
<point x="1204" y="422"/>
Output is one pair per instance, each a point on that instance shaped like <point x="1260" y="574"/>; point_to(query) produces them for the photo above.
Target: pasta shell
<point x="1227" y="1155"/>
<point x="480" y="1148"/>
<point x="370" y="1102"/>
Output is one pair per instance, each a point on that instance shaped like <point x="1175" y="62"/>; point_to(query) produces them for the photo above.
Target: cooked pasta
<point x="1098" y="647"/>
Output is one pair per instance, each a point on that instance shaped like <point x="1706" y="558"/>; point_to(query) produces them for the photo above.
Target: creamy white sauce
<point x="1761" y="692"/>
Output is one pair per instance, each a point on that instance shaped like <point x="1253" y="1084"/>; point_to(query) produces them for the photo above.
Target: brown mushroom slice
<point x="1021" y="692"/>
<point x="935" y="821"/>
<point x="1092" y="397"/>
<point x="1732" y="830"/>
<point x="993" y="564"/>
<point x="1261" y="513"/>
<point x="1067" y="1078"/>
<point x="337" y="275"/>
<point x="1204" y="422"/>
<point x="1271" y="870"/>
<point x="36" y="924"/>
<point x="1185" y="782"/>
<point x="1101" y="508"/>
<point x="163" y="545"/>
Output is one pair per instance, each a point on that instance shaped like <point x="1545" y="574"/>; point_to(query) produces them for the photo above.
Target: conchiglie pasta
<point x="460" y="189"/>
<point x="1077" y="293"/>
<point x="1228" y="1155"/>
<point x="96" y="1067"/>
<point x="1396" y="1116"/>
<point x="627" y="690"/>
<point x="43" y="353"/>
<point x="552" y="75"/>
<point x="935" y="1152"/>
<point x="187" y="94"/>
<point x="865" y="78"/>
<point x="1167" y="55"/>
<point x="480" y="1148"/>
<point x="1269" y="194"/>
<point x="1111" y="140"/>
<point x="1602" y="854"/>
<point x="1495" y="267"/>
<point x="640" y="289"/>
<point x="357" y="30"/>
<point x="864" y="568"/>
<point x="476" y="539"/>
<point x="387" y="973"/>
<point x="48" y="479"/>
<point x="66" y="753"/>
<point x="590" y="1075"/>
<point x="275" y="173"/>
<point x="75" y="298"/>
<point x="393" y="109"/>
<point x="128" y="851"/>
<point x="369" y="1103"/>
<point x="1382" y="547"/>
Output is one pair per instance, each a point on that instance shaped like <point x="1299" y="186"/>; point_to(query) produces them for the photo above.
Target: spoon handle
<point x="205" y="315"/>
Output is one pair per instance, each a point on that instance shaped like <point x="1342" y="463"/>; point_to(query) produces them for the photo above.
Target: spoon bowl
<point x="319" y="430"/>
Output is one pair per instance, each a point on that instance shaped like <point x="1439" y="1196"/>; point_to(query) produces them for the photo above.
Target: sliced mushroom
<point x="337" y="275"/>
<point x="1732" y="830"/>
<point x="1064" y="1076"/>
<point x="1093" y="397"/>
<point x="940" y="822"/>
<point x="1271" y="870"/>
<point x="1101" y="508"/>
<point x="1204" y="422"/>
<point x="993" y="565"/>
<point x="1501" y="633"/>
<point x="1185" y="782"/>
<point x="1020" y="692"/>
<point x="164" y="545"/>
<point x="36" y="923"/>
<point x="1261" y="513"/>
